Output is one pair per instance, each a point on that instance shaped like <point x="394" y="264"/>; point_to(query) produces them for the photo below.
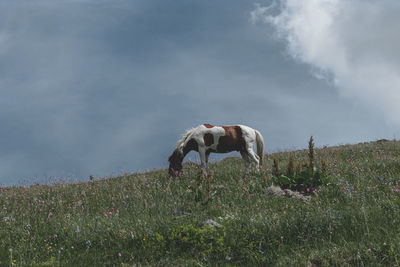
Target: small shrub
<point x="298" y="167"/>
<point x="197" y="241"/>
<point x="290" y="169"/>
<point x="203" y="188"/>
<point x="275" y="167"/>
<point x="311" y="156"/>
<point x="323" y="167"/>
<point x="305" y="177"/>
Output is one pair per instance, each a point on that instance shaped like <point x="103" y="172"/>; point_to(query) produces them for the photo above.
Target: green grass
<point x="150" y="219"/>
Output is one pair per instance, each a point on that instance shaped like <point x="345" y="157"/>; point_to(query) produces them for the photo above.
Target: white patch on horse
<point x="216" y="132"/>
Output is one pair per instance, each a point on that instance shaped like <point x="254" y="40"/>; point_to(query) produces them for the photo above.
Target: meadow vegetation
<point x="142" y="219"/>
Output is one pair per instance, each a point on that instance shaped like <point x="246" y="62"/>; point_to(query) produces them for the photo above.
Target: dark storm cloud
<point x="103" y="87"/>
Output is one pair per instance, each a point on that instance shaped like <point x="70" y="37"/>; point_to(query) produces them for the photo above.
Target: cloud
<point x="353" y="44"/>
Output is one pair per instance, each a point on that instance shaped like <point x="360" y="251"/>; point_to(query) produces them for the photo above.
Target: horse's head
<point x="175" y="163"/>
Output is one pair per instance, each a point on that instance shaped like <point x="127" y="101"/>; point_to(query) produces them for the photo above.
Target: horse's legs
<point x="245" y="157"/>
<point x="252" y="154"/>
<point x="204" y="160"/>
<point x="207" y="156"/>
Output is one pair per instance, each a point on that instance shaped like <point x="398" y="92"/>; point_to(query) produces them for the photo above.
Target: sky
<point x="106" y="87"/>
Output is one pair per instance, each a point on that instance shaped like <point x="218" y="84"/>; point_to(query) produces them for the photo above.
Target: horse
<point x="207" y="138"/>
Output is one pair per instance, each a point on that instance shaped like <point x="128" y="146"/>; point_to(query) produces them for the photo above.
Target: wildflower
<point x="376" y="186"/>
<point x="369" y="250"/>
<point x="308" y="190"/>
<point x="284" y="212"/>
<point x="119" y="255"/>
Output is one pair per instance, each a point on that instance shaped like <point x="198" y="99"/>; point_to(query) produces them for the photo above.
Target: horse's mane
<point x="185" y="136"/>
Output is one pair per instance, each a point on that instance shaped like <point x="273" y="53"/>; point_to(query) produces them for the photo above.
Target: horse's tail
<point x="260" y="146"/>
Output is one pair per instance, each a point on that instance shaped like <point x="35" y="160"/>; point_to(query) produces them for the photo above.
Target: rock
<point x="277" y="191"/>
<point x="212" y="223"/>
<point x="274" y="190"/>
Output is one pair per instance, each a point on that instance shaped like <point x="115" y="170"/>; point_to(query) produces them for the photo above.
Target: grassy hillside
<point x="150" y="219"/>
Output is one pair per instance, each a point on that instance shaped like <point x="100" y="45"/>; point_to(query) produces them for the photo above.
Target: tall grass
<point x="151" y="219"/>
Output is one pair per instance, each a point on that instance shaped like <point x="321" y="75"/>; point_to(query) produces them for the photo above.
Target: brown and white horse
<point x="207" y="138"/>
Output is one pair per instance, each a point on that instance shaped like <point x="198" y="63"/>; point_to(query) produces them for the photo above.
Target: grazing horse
<point x="207" y="138"/>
